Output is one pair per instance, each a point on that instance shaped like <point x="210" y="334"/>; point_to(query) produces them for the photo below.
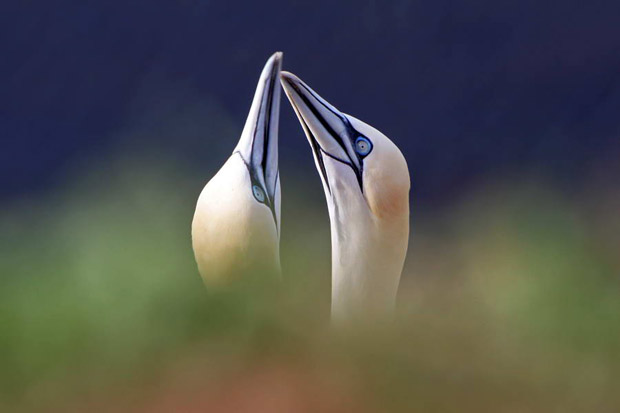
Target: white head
<point x="236" y="226"/>
<point x="366" y="184"/>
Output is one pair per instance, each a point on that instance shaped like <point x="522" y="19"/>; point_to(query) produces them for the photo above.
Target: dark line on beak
<point x="268" y="103"/>
<point x="320" y="100"/>
<point x="270" y="90"/>
<point x="316" y="149"/>
<point x="321" y="119"/>
<point x="329" y="129"/>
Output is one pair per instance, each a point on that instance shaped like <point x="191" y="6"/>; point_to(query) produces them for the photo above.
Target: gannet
<point x="366" y="183"/>
<point x="236" y="225"/>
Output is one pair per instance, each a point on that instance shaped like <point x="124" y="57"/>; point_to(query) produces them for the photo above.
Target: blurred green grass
<point x="509" y="302"/>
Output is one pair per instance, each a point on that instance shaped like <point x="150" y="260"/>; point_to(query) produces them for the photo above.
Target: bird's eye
<point x="258" y="193"/>
<point x="363" y="146"/>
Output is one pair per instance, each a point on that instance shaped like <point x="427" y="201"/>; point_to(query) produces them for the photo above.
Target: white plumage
<point x="236" y="225"/>
<point x="366" y="184"/>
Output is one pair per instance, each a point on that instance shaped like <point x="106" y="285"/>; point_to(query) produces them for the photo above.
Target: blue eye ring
<point x="363" y="146"/>
<point x="258" y="192"/>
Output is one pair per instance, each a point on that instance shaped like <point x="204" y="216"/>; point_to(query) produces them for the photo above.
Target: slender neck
<point x="367" y="260"/>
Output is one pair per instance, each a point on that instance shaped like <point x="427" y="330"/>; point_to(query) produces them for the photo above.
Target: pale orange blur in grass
<point x="509" y="302"/>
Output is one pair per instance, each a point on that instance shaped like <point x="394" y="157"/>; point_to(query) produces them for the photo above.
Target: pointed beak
<point x="328" y="130"/>
<point x="259" y="141"/>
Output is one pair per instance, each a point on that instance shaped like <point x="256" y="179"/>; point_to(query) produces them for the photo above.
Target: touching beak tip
<point x="272" y="67"/>
<point x="265" y="108"/>
<point x="288" y="78"/>
<point x="276" y="60"/>
<point x="290" y="84"/>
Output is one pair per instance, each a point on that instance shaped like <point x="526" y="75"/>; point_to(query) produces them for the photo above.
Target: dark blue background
<point x="467" y="89"/>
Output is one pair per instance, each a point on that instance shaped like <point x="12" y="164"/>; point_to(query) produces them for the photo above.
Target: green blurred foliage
<point x="509" y="302"/>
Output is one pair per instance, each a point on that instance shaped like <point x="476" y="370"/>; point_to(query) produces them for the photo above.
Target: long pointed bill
<point x="258" y="145"/>
<point x="328" y="130"/>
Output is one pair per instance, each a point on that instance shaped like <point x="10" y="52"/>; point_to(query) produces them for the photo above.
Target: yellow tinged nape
<point x="386" y="182"/>
<point x="367" y="193"/>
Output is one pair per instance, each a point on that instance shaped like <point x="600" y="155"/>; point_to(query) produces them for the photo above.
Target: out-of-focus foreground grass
<point x="509" y="301"/>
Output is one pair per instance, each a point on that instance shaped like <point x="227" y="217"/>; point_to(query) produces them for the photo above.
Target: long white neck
<point x="367" y="258"/>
